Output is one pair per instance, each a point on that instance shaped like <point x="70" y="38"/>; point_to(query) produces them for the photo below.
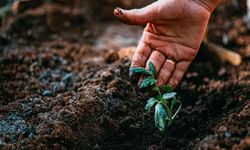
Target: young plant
<point x="165" y="102"/>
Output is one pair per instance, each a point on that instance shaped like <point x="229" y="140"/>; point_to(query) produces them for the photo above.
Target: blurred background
<point x="94" y="22"/>
<point x="40" y="19"/>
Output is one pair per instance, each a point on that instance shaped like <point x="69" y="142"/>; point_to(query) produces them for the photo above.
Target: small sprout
<point x="160" y="117"/>
<point x="152" y="68"/>
<point x="150" y="103"/>
<point x="140" y="70"/>
<point x="166" y="105"/>
<point x="167" y="89"/>
<point x="149" y="81"/>
<point x="169" y="95"/>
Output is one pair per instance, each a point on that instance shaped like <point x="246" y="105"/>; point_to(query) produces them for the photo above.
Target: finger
<point x="137" y="16"/>
<point x="178" y="74"/>
<point x="157" y="58"/>
<point x="165" y="73"/>
<point x="140" y="57"/>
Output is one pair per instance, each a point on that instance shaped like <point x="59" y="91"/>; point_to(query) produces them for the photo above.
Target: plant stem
<point x="158" y="89"/>
<point x="170" y="115"/>
<point x="177" y="111"/>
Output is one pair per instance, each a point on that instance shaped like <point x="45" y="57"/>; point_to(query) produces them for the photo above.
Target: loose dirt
<point x="62" y="87"/>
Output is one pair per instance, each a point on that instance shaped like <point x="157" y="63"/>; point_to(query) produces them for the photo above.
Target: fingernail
<point x="118" y="11"/>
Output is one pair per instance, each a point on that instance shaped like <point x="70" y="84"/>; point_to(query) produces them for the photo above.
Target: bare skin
<point x="174" y="31"/>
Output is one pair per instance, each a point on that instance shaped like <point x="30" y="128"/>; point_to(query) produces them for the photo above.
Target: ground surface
<point x="62" y="86"/>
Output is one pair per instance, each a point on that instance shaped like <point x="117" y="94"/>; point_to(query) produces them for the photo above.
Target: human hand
<point x="172" y="37"/>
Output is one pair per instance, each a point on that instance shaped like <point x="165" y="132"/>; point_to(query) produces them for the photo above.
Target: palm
<point x="183" y="24"/>
<point x="175" y="32"/>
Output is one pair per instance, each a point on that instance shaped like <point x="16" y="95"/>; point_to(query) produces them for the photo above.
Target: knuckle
<point x="167" y="75"/>
<point x="143" y="50"/>
<point x="189" y="55"/>
<point x="181" y="69"/>
<point x="145" y="44"/>
<point x="173" y="82"/>
<point x="136" y="63"/>
<point x="140" y="56"/>
<point x="192" y="54"/>
<point x="160" y="82"/>
<point x="160" y="76"/>
<point x="148" y="37"/>
<point x="169" y="67"/>
<point x="138" y="60"/>
<point x="158" y="56"/>
<point x="168" y="52"/>
<point x="179" y="74"/>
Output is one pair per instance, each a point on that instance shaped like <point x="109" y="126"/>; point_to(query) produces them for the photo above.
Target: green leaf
<point x="140" y="70"/>
<point x="155" y="89"/>
<point x="160" y="117"/>
<point x="149" y="81"/>
<point x="152" y="68"/>
<point x="167" y="89"/>
<point x="150" y="103"/>
<point x="174" y="104"/>
<point x="169" y="95"/>
<point x="159" y="97"/>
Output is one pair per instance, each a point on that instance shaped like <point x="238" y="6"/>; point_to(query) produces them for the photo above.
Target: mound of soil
<point x="63" y="89"/>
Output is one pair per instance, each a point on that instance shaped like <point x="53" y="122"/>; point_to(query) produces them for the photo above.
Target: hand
<point x="172" y="37"/>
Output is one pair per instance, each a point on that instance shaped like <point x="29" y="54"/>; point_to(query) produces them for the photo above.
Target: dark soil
<point x="63" y="85"/>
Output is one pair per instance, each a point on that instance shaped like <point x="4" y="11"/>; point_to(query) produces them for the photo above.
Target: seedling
<point x="165" y="102"/>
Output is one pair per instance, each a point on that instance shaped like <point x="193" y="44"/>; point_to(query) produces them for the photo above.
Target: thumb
<point x="137" y="16"/>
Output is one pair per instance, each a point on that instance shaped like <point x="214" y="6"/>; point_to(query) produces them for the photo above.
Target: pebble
<point x="12" y="127"/>
<point x="126" y="120"/>
<point x="106" y="76"/>
<point x="56" y="76"/>
<point x="227" y="134"/>
<point x="28" y="113"/>
<point x="100" y="91"/>
<point x="222" y="71"/>
<point x="192" y="75"/>
<point x="59" y="87"/>
<point x="111" y="57"/>
<point x="90" y="75"/>
<point x="206" y="79"/>
<point x="26" y="131"/>
<point x="47" y="93"/>
<point x="77" y="85"/>
<point x="46" y="74"/>
<point x="67" y="78"/>
<point x="96" y="147"/>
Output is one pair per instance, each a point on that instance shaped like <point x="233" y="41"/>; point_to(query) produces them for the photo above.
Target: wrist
<point x="210" y="5"/>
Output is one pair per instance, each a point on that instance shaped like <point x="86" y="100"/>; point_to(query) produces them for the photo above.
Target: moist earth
<point x="64" y="86"/>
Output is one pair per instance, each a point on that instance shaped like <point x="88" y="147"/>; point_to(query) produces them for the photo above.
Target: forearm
<point x="210" y="5"/>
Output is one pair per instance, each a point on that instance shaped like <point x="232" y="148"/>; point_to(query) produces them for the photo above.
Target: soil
<point x="63" y="85"/>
